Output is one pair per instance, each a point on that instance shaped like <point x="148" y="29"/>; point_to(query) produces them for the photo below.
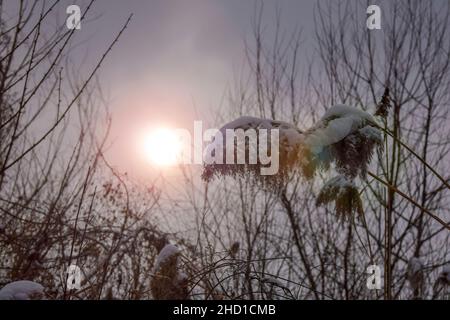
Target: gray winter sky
<point x="175" y="60"/>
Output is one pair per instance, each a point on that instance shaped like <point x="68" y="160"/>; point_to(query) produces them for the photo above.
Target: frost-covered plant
<point x="344" y="194"/>
<point x="290" y="144"/>
<point x="345" y="137"/>
<point x="168" y="281"/>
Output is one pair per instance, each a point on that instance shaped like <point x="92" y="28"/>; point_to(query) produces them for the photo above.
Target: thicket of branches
<point x="290" y="248"/>
<point x="62" y="203"/>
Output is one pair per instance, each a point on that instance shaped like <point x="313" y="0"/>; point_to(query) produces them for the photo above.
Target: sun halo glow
<point x="162" y="147"/>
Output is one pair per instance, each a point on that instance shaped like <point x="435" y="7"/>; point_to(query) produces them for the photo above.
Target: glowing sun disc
<point x="162" y="147"/>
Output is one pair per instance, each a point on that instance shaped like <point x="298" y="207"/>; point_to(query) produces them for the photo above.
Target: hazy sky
<point x="177" y="51"/>
<point x="176" y="54"/>
<point x="173" y="63"/>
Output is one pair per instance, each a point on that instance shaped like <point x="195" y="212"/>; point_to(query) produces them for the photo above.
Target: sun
<point x="162" y="147"/>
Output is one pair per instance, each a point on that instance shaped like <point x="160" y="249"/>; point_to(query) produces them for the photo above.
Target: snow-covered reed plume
<point x="290" y="139"/>
<point x="168" y="281"/>
<point x="345" y="137"/>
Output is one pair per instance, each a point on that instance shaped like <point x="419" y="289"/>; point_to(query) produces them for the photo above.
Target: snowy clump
<point x="372" y="133"/>
<point x="336" y="124"/>
<point x="289" y="134"/>
<point x="290" y="140"/>
<point x="344" y="194"/>
<point x="167" y="253"/>
<point x="168" y="281"/>
<point x="344" y="135"/>
<point x="415" y="276"/>
<point x="22" y="290"/>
